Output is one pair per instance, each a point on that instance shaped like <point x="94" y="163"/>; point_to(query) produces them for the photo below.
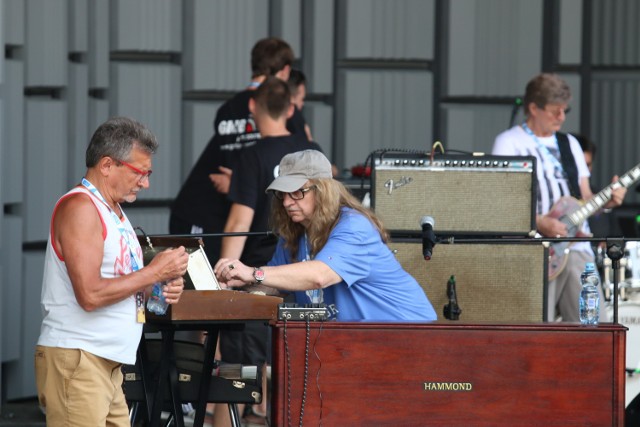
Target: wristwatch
<point x="258" y="274"/>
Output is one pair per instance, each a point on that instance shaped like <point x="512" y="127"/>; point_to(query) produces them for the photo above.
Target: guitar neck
<point x="599" y="200"/>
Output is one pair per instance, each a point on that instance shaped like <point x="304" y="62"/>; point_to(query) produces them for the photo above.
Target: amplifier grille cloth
<point x="458" y="200"/>
<point x="494" y="282"/>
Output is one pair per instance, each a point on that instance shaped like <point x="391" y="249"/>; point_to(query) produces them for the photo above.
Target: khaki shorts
<point x="77" y="388"/>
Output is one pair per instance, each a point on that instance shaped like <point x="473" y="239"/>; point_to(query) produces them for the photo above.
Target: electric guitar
<point x="573" y="213"/>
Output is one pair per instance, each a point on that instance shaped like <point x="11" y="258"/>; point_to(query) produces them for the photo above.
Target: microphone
<point x="452" y="311"/>
<point x="428" y="236"/>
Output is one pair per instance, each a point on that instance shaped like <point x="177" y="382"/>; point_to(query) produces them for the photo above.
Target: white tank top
<point x="111" y="332"/>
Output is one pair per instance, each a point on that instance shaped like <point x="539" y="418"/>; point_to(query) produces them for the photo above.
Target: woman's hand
<point x="232" y="273"/>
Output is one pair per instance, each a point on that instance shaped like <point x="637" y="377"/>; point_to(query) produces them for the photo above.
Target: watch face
<point x="258" y="274"/>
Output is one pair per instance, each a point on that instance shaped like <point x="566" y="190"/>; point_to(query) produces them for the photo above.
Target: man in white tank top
<point x="94" y="283"/>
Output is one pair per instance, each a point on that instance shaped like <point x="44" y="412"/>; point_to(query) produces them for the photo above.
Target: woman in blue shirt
<point x="331" y="250"/>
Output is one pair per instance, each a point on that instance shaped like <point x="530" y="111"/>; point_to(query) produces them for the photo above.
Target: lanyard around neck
<point x="135" y="265"/>
<point x="543" y="148"/>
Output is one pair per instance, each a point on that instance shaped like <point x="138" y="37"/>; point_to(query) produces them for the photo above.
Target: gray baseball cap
<point x="297" y="168"/>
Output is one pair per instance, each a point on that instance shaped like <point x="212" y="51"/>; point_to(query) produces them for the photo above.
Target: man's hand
<point x="170" y="264"/>
<point x="617" y="195"/>
<point x="550" y="227"/>
<point x="173" y="290"/>
<point x="221" y="181"/>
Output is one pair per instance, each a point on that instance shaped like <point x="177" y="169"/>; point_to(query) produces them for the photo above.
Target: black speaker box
<point x="495" y="282"/>
<point x="465" y="195"/>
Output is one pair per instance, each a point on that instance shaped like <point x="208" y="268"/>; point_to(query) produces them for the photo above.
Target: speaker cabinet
<point x="501" y="282"/>
<point x="465" y="195"/>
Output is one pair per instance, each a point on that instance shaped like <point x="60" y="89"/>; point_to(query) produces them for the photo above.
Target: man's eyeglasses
<point x="556" y="112"/>
<point x="142" y="174"/>
<point x="295" y="195"/>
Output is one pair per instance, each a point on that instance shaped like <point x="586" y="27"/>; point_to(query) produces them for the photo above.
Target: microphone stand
<point x="615" y="251"/>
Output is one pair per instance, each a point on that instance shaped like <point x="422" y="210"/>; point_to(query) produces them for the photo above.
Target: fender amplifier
<point x="464" y="194"/>
<point x="497" y="282"/>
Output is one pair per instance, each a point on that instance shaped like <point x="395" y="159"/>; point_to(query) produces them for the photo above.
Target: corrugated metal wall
<point x="380" y="75"/>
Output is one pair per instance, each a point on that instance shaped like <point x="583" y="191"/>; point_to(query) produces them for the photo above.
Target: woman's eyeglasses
<point x="295" y="195"/>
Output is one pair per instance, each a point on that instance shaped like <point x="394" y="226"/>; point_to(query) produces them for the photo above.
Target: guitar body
<point x="559" y="251"/>
<point x="573" y="213"/>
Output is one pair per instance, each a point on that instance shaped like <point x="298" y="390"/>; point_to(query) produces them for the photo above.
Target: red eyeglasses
<point x="143" y="175"/>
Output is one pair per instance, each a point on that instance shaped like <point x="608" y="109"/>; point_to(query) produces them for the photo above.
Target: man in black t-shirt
<point x="255" y="170"/>
<point x="201" y="206"/>
<point x="271" y="106"/>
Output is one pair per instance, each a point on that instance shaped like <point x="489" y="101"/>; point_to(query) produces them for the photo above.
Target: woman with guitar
<point x="562" y="179"/>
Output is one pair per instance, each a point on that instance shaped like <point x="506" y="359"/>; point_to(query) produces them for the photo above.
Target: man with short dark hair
<point x="271" y="106"/>
<point x="201" y="206"/>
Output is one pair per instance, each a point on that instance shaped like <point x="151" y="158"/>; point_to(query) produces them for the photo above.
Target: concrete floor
<point x="24" y="413"/>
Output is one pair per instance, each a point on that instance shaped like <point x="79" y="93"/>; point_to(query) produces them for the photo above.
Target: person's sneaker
<point x="187" y="409"/>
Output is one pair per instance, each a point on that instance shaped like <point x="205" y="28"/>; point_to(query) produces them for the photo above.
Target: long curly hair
<point x="331" y="196"/>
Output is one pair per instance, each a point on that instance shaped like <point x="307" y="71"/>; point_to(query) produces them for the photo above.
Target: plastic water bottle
<point x="156" y="302"/>
<point x="589" y="296"/>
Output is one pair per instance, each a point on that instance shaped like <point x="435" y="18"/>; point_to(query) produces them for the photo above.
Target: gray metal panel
<point x="286" y="23"/>
<point x="150" y="93"/>
<point x="400" y="29"/>
<point x="12" y="190"/>
<point x="151" y="220"/>
<point x="98" y="114"/>
<point x="494" y="46"/>
<point x="217" y="44"/>
<point x="46" y="167"/>
<point x="2" y="37"/>
<point x="473" y="128"/>
<point x="47" y="41"/>
<point x="570" y="42"/>
<point x="20" y="376"/>
<point x="318" y="43"/>
<point x="78" y="26"/>
<point x="615" y="126"/>
<point x="147" y="25"/>
<point x="11" y="291"/>
<point x="13" y="21"/>
<point x="98" y="55"/>
<point x="79" y="133"/>
<point x="382" y="109"/>
<point x="197" y="131"/>
<point x="320" y="120"/>
<point x="616" y="34"/>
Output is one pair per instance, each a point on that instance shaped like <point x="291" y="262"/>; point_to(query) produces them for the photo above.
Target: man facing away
<point x="271" y="107"/>
<point x="201" y="206"/>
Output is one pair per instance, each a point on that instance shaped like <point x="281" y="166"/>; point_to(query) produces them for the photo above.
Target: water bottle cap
<point x="590" y="267"/>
